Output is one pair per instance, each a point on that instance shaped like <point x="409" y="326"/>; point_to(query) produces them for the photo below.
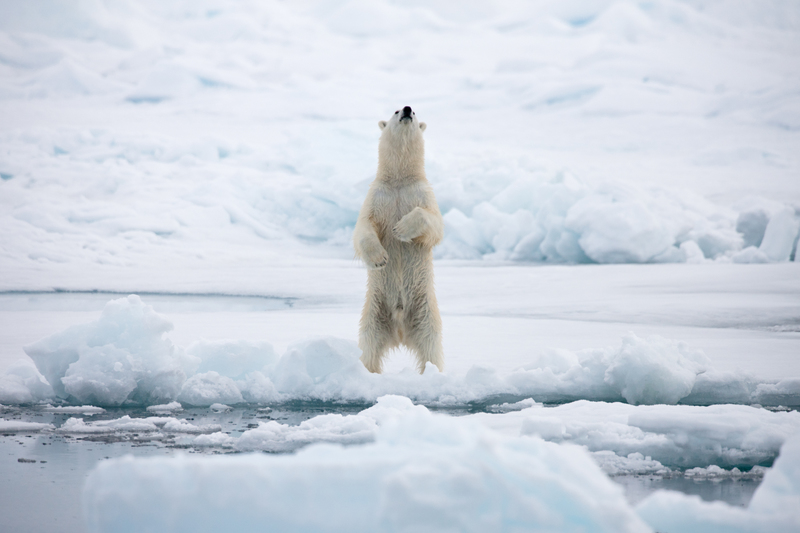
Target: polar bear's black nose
<point x="406" y="111"/>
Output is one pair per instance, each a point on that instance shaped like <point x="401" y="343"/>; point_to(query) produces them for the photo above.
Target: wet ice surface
<point x="44" y="495"/>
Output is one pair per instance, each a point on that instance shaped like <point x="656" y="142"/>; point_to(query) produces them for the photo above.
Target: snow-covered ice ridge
<point x="124" y="358"/>
<point x="598" y="131"/>
<point x="422" y="471"/>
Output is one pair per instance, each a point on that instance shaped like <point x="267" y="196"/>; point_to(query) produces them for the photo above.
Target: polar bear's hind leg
<point x="377" y="334"/>
<point x="424" y="336"/>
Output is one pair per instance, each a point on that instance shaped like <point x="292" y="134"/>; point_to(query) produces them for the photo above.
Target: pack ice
<point x="124" y="358"/>
<point x="422" y="472"/>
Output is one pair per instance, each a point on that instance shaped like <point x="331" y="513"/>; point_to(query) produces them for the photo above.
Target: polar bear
<point x="397" y="228"/>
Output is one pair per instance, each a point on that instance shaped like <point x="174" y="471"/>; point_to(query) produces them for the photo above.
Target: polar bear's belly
<point x="406" y="276"/>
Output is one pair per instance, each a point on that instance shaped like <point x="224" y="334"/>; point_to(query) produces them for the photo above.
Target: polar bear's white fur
<point x="397" y="228"/>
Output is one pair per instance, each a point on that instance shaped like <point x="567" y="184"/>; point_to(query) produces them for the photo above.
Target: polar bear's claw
<point x="378" y="261"/>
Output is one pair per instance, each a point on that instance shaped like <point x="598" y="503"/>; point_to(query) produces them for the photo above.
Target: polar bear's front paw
<point x="377" y="259"/>
<point x="402" y="236"/>
<point x="406" y="230"/>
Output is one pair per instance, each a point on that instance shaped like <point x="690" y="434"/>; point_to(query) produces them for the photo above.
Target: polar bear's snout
<point x="406" y="114"/>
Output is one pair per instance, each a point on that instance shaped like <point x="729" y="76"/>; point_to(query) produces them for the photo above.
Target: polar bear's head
<point x="403" y="122"/>
<point x="402" y="149"/>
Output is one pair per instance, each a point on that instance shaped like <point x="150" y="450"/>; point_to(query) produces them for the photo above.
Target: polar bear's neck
<point x="401" y="159"/>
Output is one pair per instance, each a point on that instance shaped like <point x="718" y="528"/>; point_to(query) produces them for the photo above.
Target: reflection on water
<point x="737" y="492"/>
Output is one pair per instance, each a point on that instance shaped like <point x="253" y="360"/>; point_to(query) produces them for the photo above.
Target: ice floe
<point x="404" y="467"/>
<point x="126" y="424"/>
<point x="165" y="407"/>
<point x="20" y="426"/>
<point x="275" y="437"/>
<point x="423" y="472"/>
<point x="87" y="410"/>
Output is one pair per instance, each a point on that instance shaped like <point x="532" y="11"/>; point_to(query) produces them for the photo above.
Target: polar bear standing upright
<point x="397" y="228"/>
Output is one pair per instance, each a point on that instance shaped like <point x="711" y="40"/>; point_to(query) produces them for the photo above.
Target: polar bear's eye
<point x="396" y="112"/>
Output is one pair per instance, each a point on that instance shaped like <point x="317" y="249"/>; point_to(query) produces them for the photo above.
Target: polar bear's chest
<point x="390" y="204"/>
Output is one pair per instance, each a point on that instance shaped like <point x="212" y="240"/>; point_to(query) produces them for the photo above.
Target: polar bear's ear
<point x="382" y="124"/>
<point x="422" y="126"/>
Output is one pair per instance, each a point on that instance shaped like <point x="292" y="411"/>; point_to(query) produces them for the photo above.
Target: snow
<point x="232" y="359"/>
<point x="773" y="507"/>
<point x="424" y="472"/>
<point x="124" y="357"/>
